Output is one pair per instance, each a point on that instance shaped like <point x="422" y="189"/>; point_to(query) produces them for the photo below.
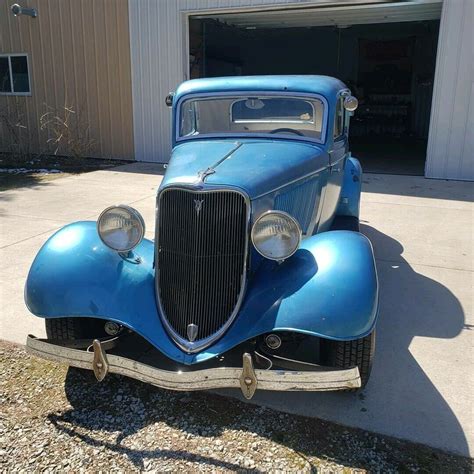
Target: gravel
<point x="57" y="419"/>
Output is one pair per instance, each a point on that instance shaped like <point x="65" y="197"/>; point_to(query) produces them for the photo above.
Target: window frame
<point x="13" y="93"/>
<point x="234" y="94"/>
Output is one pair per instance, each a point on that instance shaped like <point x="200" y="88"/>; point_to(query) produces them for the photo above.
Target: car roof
<point x="326" y="86"/>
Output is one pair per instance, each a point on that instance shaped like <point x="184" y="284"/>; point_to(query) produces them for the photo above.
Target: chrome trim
<point x="263" y="93"/>
<point x="277" y="341"/>
<point x="293" y="181"/>
<point x="135" y="214"/>
<point x="282" y="213"/>
<point x="309" y="364"/>
<point x="206" y="379"/>
<point x="188" y="346"/>
<point x="203" y="174"/>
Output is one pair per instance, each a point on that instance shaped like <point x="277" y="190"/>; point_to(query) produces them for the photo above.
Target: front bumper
<point x="246" y="378"/>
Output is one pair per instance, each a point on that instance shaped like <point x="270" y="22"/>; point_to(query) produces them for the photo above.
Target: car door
<point x="337" y="159"/>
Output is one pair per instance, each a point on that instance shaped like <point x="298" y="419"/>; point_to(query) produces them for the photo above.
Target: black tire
<point x="78" y="381"/>
<point x="359" y="352"/>
<point x="346" y="223"/>
<point x="74" y="328"/>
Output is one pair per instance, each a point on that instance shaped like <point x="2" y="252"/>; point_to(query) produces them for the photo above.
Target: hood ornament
<point x="192" y="332"/>
<point x="203" y="174"/>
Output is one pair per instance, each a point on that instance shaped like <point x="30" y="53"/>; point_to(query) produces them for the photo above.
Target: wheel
<point x="74" y="328"/>
<point x="78" y="381"/>
<point x="359" y="352"/>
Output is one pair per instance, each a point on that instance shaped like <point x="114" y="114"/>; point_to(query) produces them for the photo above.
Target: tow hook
<point x="248" y="379"/>
<point x="99" y="363"/>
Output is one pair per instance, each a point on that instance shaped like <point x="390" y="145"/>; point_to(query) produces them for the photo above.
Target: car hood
<point x="255" y="166"/>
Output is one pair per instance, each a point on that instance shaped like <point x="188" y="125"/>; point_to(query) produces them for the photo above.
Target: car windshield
<point x="288" y="116"/>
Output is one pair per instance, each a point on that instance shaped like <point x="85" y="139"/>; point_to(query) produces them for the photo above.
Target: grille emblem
<point x="192" y="331"/>
<point x="198" y="205"/>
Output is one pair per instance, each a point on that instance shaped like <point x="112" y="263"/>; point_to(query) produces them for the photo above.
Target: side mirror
<point x="169" y="99"/>
<point x="351" y="103"/>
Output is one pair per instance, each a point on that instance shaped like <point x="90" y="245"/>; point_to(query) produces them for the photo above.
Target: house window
<point x="14" y="74"/>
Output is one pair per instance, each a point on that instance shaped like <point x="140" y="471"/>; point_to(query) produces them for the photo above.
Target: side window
<point x="14" y="74"/>
<point x="339" y="118"/>
<point x="188" y="118"/>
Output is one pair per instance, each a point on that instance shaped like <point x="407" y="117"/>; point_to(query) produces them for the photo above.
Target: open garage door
<point x="386" y="54"/>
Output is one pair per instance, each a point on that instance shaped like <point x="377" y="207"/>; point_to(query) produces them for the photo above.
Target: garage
<point x="385" y="53"/>
<point x="409" y="61"/>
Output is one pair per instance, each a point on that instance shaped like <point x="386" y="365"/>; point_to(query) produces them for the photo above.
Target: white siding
<point x="451" y="137"/>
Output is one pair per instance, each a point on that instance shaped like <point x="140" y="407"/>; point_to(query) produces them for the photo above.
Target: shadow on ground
<point x="124" y="409"/>
<point x="416" y="186"/>
<point x="11" y="176"/>
<point x="143" y="167"/>
<point x="400" y="398"/>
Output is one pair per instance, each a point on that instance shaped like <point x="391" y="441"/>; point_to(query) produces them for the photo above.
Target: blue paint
<point x="305" y="84"/>
<point x="299" y="201"/>
<point x="328" y="288"/>
<point x="257" y="167"/>
<point x="349" y="203"/>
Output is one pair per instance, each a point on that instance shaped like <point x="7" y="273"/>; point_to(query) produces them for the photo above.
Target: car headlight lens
<point x="276" y="235"/>
<point x="121" y="228"/>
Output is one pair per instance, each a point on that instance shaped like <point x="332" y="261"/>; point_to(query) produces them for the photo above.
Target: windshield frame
<point x="238" y="95"/>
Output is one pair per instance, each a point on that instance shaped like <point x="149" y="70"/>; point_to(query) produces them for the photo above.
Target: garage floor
<point x="422" y="235"/>
<point x="391" y="156"/>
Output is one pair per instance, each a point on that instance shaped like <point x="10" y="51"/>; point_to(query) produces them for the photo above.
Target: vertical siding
<point x="79" y="55"/>
<point x="451" y="139"/>
<point x="157" y="37"/>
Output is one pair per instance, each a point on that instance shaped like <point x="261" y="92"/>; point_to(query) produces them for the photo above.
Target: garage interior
<point x="385" y="53"/>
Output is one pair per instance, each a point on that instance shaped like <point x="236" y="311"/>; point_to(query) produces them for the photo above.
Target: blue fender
<point x="349" y="202"/>
<point x="327" y="288"/>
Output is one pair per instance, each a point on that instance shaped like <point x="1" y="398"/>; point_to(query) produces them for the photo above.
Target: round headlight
<point x="276" y="235"/>
<point x="121" y="228"/>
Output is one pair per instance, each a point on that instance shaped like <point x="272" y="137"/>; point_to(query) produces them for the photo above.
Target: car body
<point x="258" y="276"/>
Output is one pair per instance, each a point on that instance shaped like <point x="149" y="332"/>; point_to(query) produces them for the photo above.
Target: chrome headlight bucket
<point x="276" y="235"/>
<point x="121" y="228"/>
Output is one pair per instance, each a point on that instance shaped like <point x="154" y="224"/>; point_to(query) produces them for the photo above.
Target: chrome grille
<point x="201" y="260"/>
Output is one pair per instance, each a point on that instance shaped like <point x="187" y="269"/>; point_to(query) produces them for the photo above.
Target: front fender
<point x="75" y="274"/>
<point x="328" y="288"/>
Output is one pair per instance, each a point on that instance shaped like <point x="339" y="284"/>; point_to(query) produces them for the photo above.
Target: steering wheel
<point x="290" y="130"/>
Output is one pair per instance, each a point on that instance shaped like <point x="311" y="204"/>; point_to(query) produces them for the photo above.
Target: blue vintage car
<point x="257" y="277"/>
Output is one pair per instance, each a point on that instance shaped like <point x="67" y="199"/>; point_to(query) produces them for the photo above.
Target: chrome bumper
<point x="246" y="378"/>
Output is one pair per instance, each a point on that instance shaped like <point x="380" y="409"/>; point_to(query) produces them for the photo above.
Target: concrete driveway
<point x="422" y="383"/>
